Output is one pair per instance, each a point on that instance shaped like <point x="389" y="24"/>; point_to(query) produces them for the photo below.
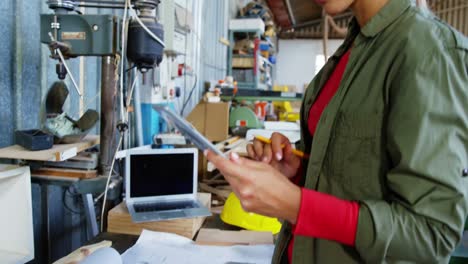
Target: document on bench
<point x="156" y="247"/>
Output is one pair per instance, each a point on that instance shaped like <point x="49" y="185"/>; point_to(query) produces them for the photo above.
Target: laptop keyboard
<point x="151" y="207"/>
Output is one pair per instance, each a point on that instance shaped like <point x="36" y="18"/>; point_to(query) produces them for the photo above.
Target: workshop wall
<point x="214" y="19"/>
<point x="300" y="59"/>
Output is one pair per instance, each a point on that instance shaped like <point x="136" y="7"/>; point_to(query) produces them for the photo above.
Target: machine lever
<point x="59" y="52"/>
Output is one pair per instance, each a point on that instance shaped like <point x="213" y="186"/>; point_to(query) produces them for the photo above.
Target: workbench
<point x="46" y="183"/>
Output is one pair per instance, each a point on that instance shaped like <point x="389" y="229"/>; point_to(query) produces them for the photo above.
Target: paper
<point x="164" y="248"/>
<point x="281" y="126"/>
<point x="16" y="225"/>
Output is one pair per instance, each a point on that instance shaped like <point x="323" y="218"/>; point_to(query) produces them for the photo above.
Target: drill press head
<point x="142" y="49"/>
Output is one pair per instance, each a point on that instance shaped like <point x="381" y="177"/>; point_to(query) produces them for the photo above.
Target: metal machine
<point x="70" y="34"/>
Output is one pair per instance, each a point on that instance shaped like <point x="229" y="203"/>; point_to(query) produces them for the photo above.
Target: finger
<point x="225" y="166"/>
<point x="218" y="161"/>
<point x="246" y="164"/>
<point x="267" y="154"/>
<point x="277" y="142"/>
<point x="258" y="147"/>
<point x="251" y="151"/>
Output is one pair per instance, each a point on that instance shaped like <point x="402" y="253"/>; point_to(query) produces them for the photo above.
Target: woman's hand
<point x="281" y="158"/>
<point x="260" y="188"/>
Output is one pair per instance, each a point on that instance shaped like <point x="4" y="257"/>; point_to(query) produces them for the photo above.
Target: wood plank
<point x="58" y="152"/>
<point x="71" y="173"/>
<point x="218" y="237"/>
<point x="120" y="221"/>
<point x="221" y="193"/>
<point x="217" y="209"/>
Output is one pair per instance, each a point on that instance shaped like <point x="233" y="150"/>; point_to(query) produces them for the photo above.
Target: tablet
<point x="186" y="129"/>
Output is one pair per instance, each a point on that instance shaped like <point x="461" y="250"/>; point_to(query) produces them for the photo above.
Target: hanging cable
<point x="190" y="95"/>
<point x="130" y="94"/>
<point x="122" y="62"/>
<point x="108" y="182"/>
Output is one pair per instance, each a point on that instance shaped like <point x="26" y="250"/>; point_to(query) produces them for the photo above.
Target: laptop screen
<point x="161" y="174"/>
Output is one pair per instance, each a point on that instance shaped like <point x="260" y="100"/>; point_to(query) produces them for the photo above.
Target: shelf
<point x="59" y="152"/>
<point x="243" y="62"/>
<point x="253" y="95"/>
<point x="251" y="71"/>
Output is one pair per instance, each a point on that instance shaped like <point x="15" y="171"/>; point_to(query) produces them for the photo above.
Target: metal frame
<point x="257" y="72"/>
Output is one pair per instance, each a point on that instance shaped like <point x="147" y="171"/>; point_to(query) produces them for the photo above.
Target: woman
<point x="385" y="123"/>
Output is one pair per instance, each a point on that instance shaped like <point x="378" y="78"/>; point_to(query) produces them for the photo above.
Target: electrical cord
<point x="108" y="182"/>
<point x="130" y="94"/>
<point x="135" y="15"/>
<point x="122" y="62"/>
<point x="131" y="68"/>
<point x="190" y="95"/>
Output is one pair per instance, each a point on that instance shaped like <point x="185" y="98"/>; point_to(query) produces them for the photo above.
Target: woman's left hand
<point x="260" y="188"/>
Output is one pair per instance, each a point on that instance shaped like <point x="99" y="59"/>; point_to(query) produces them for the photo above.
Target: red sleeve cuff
<point x="327" y="217"/>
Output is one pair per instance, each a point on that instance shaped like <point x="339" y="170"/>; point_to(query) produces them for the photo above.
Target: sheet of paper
<point x="281" y="125"/>
<point x="156" y="247"/>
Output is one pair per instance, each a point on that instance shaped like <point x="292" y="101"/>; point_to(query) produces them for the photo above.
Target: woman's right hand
<point x="274" y="154"/>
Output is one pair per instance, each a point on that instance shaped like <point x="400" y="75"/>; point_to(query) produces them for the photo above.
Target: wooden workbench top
<point x="59" y="152"/>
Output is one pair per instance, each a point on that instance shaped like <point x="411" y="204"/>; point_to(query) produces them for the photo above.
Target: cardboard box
<point x="16" y="225"/>
<point x="247" y="24"/>
<point x="120" y="221"/>
<point x="211" y="119"/>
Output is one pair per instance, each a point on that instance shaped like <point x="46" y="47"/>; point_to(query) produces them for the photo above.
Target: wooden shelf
<point x="59" y="152"/>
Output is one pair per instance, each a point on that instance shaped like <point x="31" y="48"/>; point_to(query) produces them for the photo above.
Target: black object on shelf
<point x="34" y="139"/>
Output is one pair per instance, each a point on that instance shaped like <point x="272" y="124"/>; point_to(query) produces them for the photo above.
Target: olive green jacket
<point x="394" y="138"/>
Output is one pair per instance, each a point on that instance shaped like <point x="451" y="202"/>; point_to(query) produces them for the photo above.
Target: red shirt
<point x="338" y="218"/>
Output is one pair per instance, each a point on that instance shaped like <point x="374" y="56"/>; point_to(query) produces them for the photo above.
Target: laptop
<point x="161" y="184"/>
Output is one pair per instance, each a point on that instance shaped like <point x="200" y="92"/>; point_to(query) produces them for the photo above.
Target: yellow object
<point x="233" y="214"/>
<point x="285" y="109"/>
<point x="287" y="113"/>
<point x="296" y="152"/>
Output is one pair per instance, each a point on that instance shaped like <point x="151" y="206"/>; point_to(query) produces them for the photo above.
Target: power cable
<point x="190" y="95"/>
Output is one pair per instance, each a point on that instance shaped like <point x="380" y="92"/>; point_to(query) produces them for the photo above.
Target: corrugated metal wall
<point x="454" y="12"/>
<point x="212" y="55"/>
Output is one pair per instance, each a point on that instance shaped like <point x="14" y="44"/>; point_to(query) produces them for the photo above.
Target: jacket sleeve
<point x="426" y="141"/>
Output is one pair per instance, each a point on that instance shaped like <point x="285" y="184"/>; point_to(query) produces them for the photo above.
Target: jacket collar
<point x="386" y="16"/>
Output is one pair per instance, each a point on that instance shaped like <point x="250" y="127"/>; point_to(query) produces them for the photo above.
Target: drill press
<point x="70" y="34"/>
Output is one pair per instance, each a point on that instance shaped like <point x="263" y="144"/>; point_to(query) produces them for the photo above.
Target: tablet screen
<point x="186" y="129"/>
